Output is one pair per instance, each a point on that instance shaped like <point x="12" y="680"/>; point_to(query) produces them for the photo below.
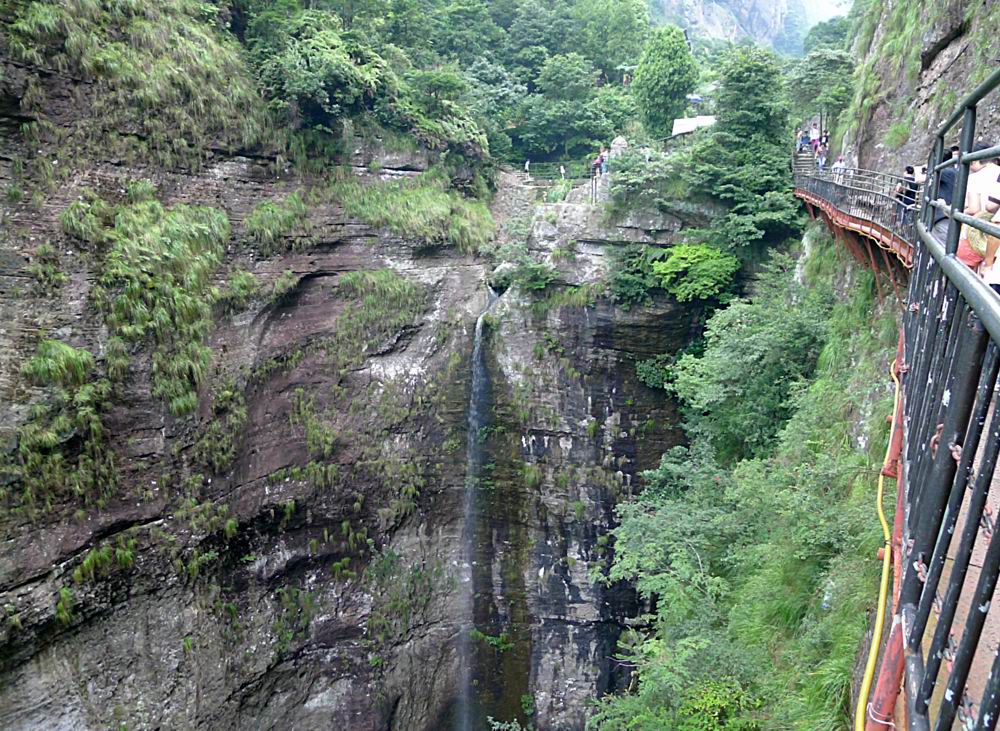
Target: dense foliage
<point x="665" y="75"/>
<point x="755" y="544"/>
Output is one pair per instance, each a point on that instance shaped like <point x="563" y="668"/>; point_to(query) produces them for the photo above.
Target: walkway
<point x="859" y="204"/>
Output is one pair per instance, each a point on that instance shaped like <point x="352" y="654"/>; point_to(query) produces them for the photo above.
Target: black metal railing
<point x="945" y="613"/>
<point x="887" y="201"/>
<point x="951" y="444"/>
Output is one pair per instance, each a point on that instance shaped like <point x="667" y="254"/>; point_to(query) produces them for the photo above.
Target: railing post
<point x="961" y="185"/>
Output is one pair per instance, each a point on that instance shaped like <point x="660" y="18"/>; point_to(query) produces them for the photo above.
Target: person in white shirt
<point x="814" y="135"/>
<point x="983" y="176"/>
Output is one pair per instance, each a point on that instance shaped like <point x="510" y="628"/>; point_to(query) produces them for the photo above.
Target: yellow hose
<point x="861" y="711"/>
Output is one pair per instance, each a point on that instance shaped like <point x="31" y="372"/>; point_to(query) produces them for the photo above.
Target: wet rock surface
<point x="304" y="587"/>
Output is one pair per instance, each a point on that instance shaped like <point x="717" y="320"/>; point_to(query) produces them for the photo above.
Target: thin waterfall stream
<point x="479" y="415"/>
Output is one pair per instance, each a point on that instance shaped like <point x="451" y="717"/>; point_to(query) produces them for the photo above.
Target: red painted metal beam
<point x="882" y="708"/>
<point x="882" y="236"/>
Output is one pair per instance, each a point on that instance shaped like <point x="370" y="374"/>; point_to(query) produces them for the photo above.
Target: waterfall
<point x="478" y="417"/>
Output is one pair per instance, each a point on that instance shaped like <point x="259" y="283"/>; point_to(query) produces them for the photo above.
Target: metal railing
<point x="886" y="201"/>
<point x="568" y="169"/>
<point x="951" y="352"/>
<point x="946" y="625"/>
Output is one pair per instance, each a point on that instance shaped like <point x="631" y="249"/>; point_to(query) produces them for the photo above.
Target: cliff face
<point x="290" y="554"/>
<point x="917" y="61"/>
<point x="762" y="20"/>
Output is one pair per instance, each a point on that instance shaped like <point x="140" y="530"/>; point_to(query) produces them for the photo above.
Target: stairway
<point x="804" y="162"/>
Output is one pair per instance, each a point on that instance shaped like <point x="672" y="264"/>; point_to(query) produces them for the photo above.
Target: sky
<point x="820" y="10"/>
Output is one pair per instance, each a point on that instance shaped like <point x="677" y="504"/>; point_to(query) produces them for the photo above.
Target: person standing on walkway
<point x="562" y="172"/>
<point x="906" y="195"/>
<point x="982" y="181"/>
<point x="527" y="168"/>
<point x="604" y="161"/>
<point x="946" y="187"/>
<point x="838" y="169"/>
<point x="814" y="136"/>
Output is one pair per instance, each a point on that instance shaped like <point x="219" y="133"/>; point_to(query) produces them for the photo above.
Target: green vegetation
<point x="270" y="221"/>
<point x="155" y="283"/>
<point x="632" y="280"/>
<point x="62" y="449"/>
<point x="666" y="73"/>
<point x="692" y="271"/>
<point x="45" y="269"/>
<point x="821" y="81"/>
<point x="402" y="595"/>
<point x="64" y="607"/>
<point x="757" y="540"/>
<point x="241" y="288"/>
<point x="383" y="303"/>
<point x="216" y="445"/>
<point x="742" y="161"/>
<point x="162" y="71"/>
<point x="832" y="33"/>
<point x="499" y="642"/>
<point x="423" y="208"/>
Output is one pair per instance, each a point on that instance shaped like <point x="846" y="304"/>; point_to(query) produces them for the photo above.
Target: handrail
<point x="952" y="351"/>
<point x="871" y="199"/>
<point x="950" y="453"/>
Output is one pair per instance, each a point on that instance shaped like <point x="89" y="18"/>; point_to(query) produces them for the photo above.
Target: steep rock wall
<point x="917" y="60"/>
<point x="309" y="578"/>
<point x="731" y="20"/>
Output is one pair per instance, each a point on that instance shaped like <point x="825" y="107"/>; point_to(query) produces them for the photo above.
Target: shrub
<point x="695" y="271"/>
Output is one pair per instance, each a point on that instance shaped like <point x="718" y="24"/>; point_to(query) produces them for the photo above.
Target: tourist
<point x="821" y="158"/>
<point x="946" y="187"/>
<point x="825" y="138"/>
<point x="527" y="168"/>
<point x="804" y="140"/>
<point x="921" y="176"/>
<point x="906" y="195"/>
<point x="814" y="138"/>
<point x="604" y="161"/>
<point x="839" y="166"/>
<point x="982" y="182"/>
<point x="562" y="172"/>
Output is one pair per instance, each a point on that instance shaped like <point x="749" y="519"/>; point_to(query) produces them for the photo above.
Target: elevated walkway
<point x="939" y="667"/>
<point x="855" y="203"/>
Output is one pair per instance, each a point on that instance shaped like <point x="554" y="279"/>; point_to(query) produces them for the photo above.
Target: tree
<point x="311" y="68"/>
<point x="696" y="271"/>
<point x="737" y="392"/>
<point x="742" y="162"/>
<point x="821" y="80"/>
<point x="830" y="33"/>
<point x="613" y="33"/>
<point x="748" y="100"/>
<point x="569" y="77"/>
<point x="665" y="75"/>
<point x="561" y="128"/>
<point x="467" y="31"/>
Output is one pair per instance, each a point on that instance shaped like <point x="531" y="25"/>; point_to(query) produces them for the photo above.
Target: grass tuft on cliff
<point x="422" y="208"/>
<point x="164" y="71"/>
<point x="154" y="284"/>
<point x="62" y="449"/>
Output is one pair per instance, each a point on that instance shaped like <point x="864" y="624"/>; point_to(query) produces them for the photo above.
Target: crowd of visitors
<point x="982" y="199"/>
<point x="812" y="138"/>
